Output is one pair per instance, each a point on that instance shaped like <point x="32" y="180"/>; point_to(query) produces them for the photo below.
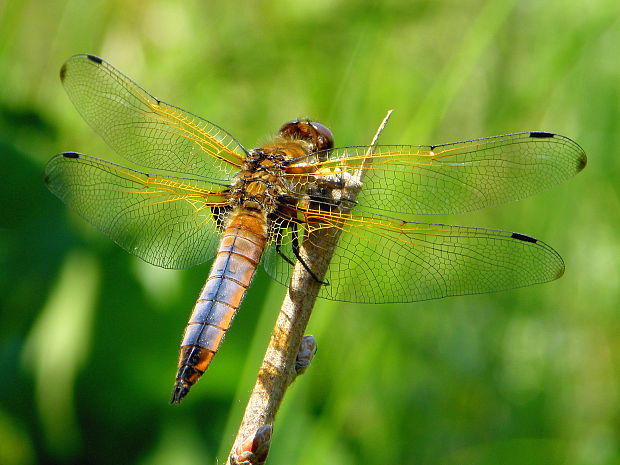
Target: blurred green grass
<point x="89" y="336"/>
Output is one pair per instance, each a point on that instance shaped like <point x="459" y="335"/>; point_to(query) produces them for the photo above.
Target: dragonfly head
<point x="319" y="136"/>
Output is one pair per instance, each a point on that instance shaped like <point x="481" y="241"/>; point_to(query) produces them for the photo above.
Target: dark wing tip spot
<point x="582" y="161"/>
<point x="63" y="72"/>
<point x="524" y="238"/>
<point x="94" y="59"/>
<point x="71" y="155"/>
<point x="541" y="134"/>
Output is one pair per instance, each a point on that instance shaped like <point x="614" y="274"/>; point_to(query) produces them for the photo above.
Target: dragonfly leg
<point x="295" y="245"/>
<point x="281" y="254"/>
<point x="278" y="241"/>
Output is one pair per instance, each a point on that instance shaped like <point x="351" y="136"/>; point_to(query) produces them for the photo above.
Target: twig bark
<point x="278" y="371"/>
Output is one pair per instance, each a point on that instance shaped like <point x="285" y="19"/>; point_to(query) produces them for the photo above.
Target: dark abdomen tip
<point x="179" y="392"/>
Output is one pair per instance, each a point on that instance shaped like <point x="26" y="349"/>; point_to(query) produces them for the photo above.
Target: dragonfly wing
<point x="145" y="130"/>
<point x="167" y="221"/>
<point x="276" y="266"/>
<point x="379" y="259"/>
<point x="457" y="177"/>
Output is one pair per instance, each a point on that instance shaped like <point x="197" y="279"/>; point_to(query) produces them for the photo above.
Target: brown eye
<point x="290" y="129"/>
<point x="325" y="141"/>
<point x="318" y="135"/>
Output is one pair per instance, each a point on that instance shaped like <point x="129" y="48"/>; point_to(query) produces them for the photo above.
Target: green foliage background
<point x="89" y="335"/>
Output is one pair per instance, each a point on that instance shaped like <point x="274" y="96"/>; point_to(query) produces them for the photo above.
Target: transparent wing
<point x="380" y="259"/>
<point x="167" y="221"/>
<point x="145" y="130"/>
<point x="449" y="178"/>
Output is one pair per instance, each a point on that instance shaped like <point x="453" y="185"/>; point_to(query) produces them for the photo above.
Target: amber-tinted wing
<point x="145" y="130"/>
<point x="164" y="220"/>
<point x="380" y="259"/>
<point x="457" y="177"/>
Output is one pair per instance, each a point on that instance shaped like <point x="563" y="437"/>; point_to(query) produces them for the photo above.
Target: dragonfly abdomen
<point x="232" y="271"/>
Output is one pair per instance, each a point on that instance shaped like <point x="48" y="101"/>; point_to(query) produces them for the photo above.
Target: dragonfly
<point x="195" y="193"/>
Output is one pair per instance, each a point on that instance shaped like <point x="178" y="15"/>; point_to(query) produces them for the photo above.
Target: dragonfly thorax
<point x="258" y="185"/>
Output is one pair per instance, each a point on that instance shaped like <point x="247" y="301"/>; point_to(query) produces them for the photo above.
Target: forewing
<point x="379" y="259"/>
<point x="453" y="178"/>
<point x="145" y="130"/>
<point x="164" y="220"/>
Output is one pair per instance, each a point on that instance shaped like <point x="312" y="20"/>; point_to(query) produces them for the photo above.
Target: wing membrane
<point x="145" y="130"/>
<point x="380" y="259"/>
<point x="163" y="220"/>
<point x="457" y="177"/>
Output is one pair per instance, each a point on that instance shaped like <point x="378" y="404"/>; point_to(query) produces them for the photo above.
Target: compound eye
<point x="316" y="134"/>
<point x="325" y="139"/>
<point x="290" y="128"/>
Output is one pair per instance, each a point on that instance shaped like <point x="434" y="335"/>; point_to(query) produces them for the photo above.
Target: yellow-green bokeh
<point x="89" y="335"/>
